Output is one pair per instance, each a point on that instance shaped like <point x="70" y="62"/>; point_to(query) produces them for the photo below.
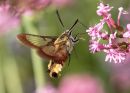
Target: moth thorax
<point x="69" y="46"/>
<point x="54" y="69"/>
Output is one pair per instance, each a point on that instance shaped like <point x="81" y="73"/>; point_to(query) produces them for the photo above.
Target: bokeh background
<point x="23" y="71"/>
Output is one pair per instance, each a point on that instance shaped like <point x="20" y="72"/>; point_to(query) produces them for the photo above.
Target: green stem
<point x="2" y="85"/>
<point x="9" y="72"/>
<point x="38" y="67"/>
<point x="38" y="70"/>
<point x="12" y="77"/>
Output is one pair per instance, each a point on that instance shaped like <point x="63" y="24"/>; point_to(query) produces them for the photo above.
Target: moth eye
<point x="54" y="75"/>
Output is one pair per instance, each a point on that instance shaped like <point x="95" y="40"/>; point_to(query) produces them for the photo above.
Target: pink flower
<point x="8" y="18"/>
<point x="80" y="84"/>
<point x="121" y="11"/>
<point x="25" y="5"/>
<point x="95" y="31"/>
<point x="127" y="33"/>
<point x="95" y="46"/>
<point x="114" y="55"/>
<point x="40" y="4"/>
<point x="117" y="45"/>
<point x="112" y="38"/>
<point x="47" y="89"/>
<point x="120" y="76"/>
<point x="128" y="27"/>
<point x="126" y="17"/>
<point x="103" y="9"/>
<point x="10" y="14"/>
<point x="62" y="3"/>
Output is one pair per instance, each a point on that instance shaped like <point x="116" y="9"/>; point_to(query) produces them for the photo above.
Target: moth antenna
<point x="73" y="25"/>
<point x="59" y="18"/>
<point x="82" y="24"/>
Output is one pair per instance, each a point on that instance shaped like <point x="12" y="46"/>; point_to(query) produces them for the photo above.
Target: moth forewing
<point x="35" y="41"/>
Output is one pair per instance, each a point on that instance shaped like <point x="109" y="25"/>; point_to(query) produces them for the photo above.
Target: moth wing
<point x="47" y="51"/>
<point x="36" y="41"/>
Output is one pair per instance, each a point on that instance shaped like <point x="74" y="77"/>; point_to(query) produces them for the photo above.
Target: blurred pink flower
<point x="80" y="84"/>
<point x="126" y="18"/>
<point x="47" y="89"/>
<point x="8" y="18"/>
<point x="40" y="4"/>
<point x="10" y="13"/>
<point x="62" y="3"/>
<point x="25" y="5"/>
<point x="120" y="76"/>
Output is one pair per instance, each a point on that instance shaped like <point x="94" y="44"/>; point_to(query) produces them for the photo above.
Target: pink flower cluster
<point x="120" y="77"/>
<point x="47" y="89"/>
<point x="81" y="84"/>
<point x="75" y="84"/>
<point x="115" y="42"/>
<point x="8" y="18"/>
<point x="62" y="3"/>
<point x="25" y="5"/>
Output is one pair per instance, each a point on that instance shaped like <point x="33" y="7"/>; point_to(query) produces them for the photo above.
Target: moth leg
<point x="50" y="64"/>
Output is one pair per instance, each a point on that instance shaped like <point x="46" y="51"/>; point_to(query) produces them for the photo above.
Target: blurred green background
<point x="22" y="71"/>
